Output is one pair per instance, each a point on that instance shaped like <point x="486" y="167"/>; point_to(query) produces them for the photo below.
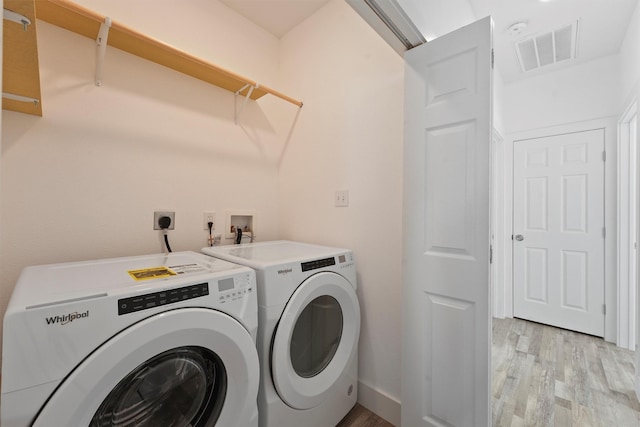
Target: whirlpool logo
<point x="285" y="271"/>
<point x="67" y="318"/>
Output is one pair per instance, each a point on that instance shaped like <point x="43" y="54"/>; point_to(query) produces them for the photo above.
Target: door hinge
<point x="604" y="156"/>
<point x="604" y="308"/>
<point x="490" y="254"/>
<point x="492" y="58"/>
<point x="604" y="232"/>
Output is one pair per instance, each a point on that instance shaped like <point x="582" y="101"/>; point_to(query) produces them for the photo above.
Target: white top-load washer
<point x="308" y="330"/>
<point x="145" y="341"/>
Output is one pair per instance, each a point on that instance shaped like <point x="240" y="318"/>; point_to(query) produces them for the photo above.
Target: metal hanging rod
<point x="20" y="98"/>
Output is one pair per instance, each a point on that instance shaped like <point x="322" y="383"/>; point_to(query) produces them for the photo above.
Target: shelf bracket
<point x="101" y="49"/>
<point x="20" y="98"/>
<point x="237" y="113"/>
<point x="17" y="18"/>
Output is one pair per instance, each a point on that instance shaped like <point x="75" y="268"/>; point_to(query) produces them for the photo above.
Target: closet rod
<point x="20" y="98"/>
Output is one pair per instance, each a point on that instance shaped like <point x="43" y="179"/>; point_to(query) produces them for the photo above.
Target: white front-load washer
<point x="158" y="340"/>
<point x="308" y="330"/>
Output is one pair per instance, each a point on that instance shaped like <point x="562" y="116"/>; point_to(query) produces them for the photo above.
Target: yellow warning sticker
<point x="151" y="273"/>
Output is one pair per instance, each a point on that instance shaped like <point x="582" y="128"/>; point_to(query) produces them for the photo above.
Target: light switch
<point x="342" y="198"/>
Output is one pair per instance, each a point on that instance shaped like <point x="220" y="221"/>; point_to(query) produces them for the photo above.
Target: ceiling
<point x="276" y="16"/>
<point x="601" y="29"/>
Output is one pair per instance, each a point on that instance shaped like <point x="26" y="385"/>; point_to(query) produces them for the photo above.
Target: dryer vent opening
<point x="548" y="48"/>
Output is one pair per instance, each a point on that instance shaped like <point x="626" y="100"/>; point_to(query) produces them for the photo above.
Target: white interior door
<point x="447" y="180"/>
<point x="558" y="224"/>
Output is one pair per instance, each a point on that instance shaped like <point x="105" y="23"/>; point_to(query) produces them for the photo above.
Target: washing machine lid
<point x="265" y="254"/>
<point x="315" y="339"/>
<point x="46" y="284"/>
<point x="182" y="342"/>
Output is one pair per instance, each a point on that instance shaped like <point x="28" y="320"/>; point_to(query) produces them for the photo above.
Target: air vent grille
<point x="548" y="48"/>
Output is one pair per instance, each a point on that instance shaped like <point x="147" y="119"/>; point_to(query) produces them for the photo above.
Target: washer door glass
<point x="177" y="388"/>
<point x="316" y="336"/>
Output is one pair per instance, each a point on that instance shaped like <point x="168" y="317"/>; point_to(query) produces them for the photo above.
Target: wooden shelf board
<point x="72" y="17"/>
<point x="21" y="72"/>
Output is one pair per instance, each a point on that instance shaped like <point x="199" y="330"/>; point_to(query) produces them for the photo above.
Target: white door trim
<point x="626" y="333"/>
<point x="609" y="124"/>
<point x="500" y="293"/>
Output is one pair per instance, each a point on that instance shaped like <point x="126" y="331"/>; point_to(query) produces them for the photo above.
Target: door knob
<point x="519" y="237"/>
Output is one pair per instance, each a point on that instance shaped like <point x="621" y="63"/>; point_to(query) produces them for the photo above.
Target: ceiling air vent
<point x="548" y="48"/>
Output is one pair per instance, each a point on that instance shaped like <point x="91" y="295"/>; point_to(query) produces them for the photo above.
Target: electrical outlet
<point x="209" y="217"/>
<point x="159" y="214"/>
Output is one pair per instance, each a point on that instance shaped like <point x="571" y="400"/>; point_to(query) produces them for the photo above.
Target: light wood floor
<point x="362" y="417"/>
<point x="544" y="376"/>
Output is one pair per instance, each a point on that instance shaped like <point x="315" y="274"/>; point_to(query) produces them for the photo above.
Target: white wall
<point x="83" y="181"/>
<point x="582" y="92"/>
<point x="630" y="61"/>
<point x="498" y="101"/>
<point x="349" y="137"/>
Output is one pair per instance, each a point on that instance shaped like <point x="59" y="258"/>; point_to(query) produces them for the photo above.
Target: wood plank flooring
<point x="545" y="376"/>
<point x="360" y="416"/>
<point x="549" y="377"/>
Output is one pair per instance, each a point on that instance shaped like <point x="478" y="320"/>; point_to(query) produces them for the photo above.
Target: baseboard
<point x="379" y="403"/>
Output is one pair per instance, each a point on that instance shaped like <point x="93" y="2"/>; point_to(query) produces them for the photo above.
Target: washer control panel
<point x="157" y="299"/>
<point x="234" y="288"/>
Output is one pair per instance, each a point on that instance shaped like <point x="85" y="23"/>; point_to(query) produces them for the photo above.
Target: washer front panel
<point x="80" y="395"/>
<point x="307" y="392"/>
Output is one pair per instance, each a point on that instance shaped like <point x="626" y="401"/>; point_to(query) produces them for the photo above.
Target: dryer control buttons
<point x="157" y="299"/>
<point x="319" y="263"/>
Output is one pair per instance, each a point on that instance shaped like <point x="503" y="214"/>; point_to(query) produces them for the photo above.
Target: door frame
<point x="609" y="125"/>
<point x="626" y="334"/>
<point x="500" y="293"/>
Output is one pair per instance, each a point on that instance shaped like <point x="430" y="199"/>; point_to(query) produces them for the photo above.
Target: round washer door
<point x="315" y="339"/>
<point x="185" y="367"/>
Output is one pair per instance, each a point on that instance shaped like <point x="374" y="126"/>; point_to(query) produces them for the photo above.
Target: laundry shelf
<point x="21" y="73"/>
<point x="80" y="20"/>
